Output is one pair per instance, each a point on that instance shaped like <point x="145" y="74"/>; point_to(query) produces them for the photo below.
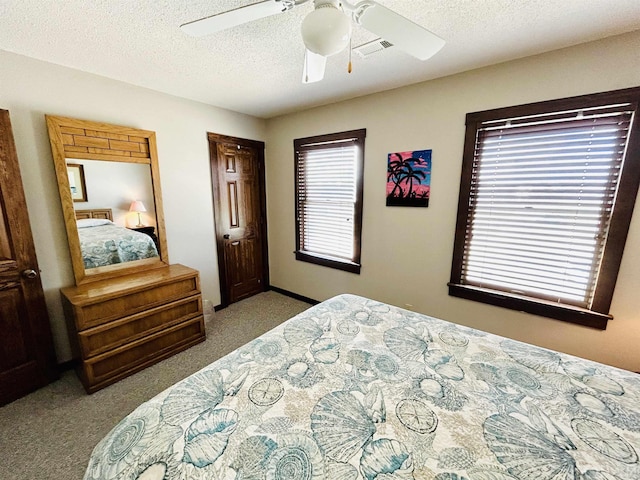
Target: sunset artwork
<point x="409" y="179"/>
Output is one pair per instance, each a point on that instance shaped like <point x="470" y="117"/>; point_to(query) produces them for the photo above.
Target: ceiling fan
<point x="326" y="30"/>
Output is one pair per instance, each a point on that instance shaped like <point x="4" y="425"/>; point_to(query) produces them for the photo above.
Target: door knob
<point x="29" y="274"/>
<point x="226" y="235"/>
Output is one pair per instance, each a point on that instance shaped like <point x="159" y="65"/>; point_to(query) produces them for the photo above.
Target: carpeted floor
<point x="50" y="433"/>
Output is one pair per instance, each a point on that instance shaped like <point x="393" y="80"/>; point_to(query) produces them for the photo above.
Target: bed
<point x="357" y="389"/>
<point x="103" y="243"/>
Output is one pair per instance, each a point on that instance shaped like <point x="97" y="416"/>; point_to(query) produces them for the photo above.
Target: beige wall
<point x="31" y="88"/>
<point x="406" y="252"/>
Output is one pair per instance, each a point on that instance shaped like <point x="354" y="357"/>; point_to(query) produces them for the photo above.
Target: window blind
<point x="542" y="193"/>
<point x="327" y="194"/>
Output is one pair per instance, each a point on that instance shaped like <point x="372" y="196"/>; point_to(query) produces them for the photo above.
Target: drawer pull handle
<point x="235" y="243"/>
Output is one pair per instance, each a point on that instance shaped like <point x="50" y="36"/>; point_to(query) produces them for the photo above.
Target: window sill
<point x="567" y="313"/>
<point x="330" y="262"/>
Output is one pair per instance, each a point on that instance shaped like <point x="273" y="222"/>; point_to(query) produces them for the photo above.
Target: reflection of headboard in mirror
<point x="103" y="145"/>
<point x="101" y="213"/>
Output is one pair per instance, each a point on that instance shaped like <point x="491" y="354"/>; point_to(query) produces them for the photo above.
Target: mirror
<point x="110" y="194"/>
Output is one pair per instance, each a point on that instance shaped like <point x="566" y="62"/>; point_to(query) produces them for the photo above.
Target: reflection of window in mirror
<point x="114" y="185"/>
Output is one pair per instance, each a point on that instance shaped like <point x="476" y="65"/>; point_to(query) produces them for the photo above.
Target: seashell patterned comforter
<point x="110" y="244"/>
<point x="357" y="389"/>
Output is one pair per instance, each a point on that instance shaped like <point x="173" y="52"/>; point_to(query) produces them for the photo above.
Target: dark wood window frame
<point x="597" y="313"/>
<point x="302" y="145"/>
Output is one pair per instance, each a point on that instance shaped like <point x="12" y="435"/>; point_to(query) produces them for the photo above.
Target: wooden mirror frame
<point x="83" y="139"/>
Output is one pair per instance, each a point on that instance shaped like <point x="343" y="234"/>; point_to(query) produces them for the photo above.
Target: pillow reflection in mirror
<point x="93" y="222"/>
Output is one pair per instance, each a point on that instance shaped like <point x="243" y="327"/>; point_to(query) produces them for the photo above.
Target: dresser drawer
<point x="110" y="367"/>
<point x="122" y="325"/>
<point x="102" y="312"/>
<point x="106" y="337"/>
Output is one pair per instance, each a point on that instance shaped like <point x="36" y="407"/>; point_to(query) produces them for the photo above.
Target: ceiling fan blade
<point x="238" y="16"/>
<point x="400" y="31"/>
<point x="314" y="66"/>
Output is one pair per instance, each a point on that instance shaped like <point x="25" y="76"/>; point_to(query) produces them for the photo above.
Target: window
<point x="328" y="170"/>
<point x="546" y="197"/>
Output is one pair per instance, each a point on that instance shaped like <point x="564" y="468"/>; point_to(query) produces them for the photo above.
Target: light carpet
<point x="50" y="433"/>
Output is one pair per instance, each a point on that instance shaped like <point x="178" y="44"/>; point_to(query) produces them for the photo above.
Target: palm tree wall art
<point x="409" y="179"/>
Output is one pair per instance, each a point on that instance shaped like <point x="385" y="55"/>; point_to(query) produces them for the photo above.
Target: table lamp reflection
<point x="138" y="207"/>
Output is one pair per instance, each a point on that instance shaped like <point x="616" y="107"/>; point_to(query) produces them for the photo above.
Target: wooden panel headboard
<point x="103" y="213"/>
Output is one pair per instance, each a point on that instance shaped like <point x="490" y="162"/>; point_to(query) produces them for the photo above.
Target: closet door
<point x="27" y="358"/>
<point x="237" y="168"/>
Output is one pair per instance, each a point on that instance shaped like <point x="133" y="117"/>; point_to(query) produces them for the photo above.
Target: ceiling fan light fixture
<point x="326" y="30"/>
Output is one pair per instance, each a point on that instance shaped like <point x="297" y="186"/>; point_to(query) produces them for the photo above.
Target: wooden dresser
<point x="122" y="325"/>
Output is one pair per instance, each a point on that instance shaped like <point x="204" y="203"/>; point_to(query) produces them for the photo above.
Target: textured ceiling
<point x="256" y="68"/>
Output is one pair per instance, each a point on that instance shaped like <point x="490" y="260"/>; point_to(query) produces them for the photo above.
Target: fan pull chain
<point x="350" y="52"/>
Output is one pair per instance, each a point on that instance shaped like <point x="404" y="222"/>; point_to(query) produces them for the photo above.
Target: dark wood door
<point x="237" y="167"/>
<point x="27" y="358"/>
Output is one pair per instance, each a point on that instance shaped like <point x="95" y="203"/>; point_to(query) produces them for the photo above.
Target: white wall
<point x="29" y="89"/>
<point x="406" y="252"/>
<point x="115" y="185"/>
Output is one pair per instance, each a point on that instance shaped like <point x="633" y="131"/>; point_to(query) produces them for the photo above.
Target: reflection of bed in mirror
<point x="103" y="243"/>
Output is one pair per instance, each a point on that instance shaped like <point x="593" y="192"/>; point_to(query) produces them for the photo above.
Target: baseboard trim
<point x="302" y="298"/>
<point x="282" y="291"/>
<point x="68" y="365"/>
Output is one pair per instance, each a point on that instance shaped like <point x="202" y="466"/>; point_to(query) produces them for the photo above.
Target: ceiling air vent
<point x="367" y="49"/>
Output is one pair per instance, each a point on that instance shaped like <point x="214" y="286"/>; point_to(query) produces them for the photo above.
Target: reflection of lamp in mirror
<point x="138" y="207"/>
